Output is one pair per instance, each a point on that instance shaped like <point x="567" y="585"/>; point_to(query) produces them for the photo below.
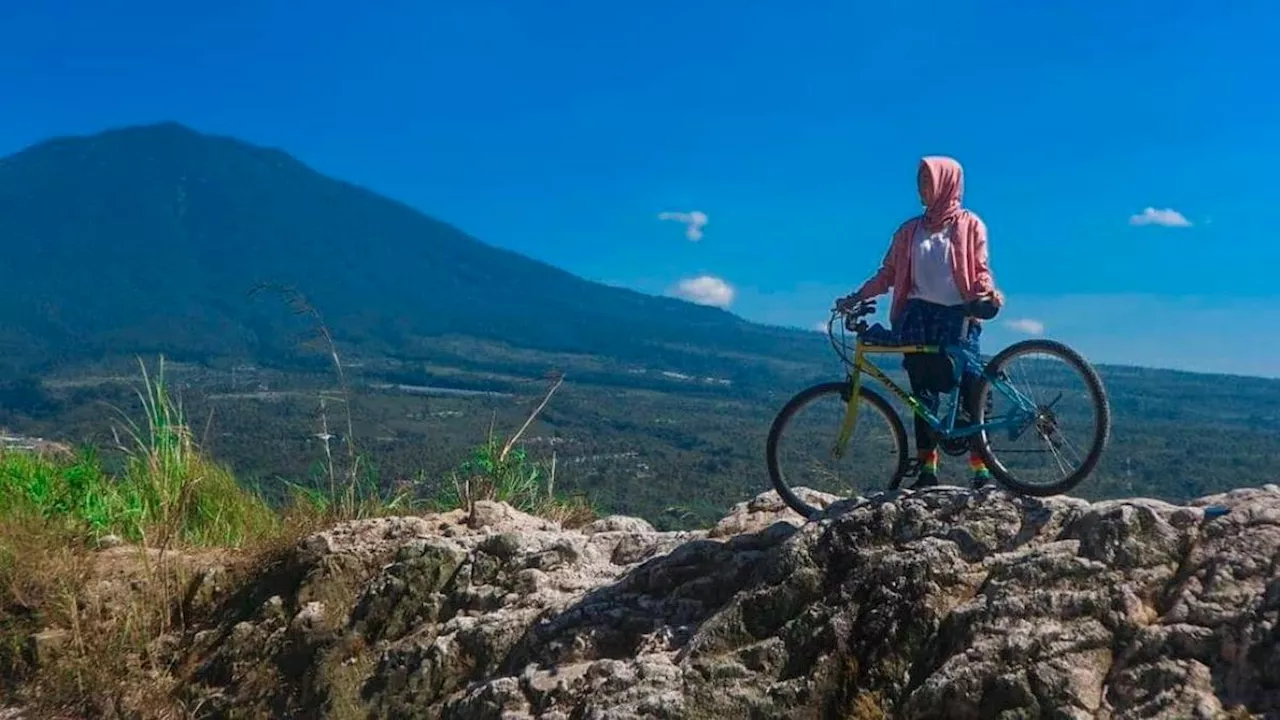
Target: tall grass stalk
<point x="171" y="491"/>
<point x="298" y="302"/>
<point x="169" y="495"/>
<point x="499" y="471"/>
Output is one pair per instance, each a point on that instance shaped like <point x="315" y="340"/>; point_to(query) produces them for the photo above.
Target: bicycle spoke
<point x="803" y="448"/>
<point x="1049" y="450"/>
<point x="1030" y="445"/>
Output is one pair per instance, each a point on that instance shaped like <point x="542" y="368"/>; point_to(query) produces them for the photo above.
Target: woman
<point x="937" y="262"/>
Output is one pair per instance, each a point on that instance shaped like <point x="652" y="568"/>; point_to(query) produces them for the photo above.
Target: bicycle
<point x="956" y="428"/>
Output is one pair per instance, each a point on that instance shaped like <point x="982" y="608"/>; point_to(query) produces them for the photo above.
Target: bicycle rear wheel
<point x="1041" y="458"/>
<point x="805" y="432"/>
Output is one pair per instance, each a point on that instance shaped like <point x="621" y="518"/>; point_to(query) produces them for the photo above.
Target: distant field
<point x="650" y="444"/>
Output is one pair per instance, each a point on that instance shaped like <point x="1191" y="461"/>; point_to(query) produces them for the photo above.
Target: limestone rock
<point x="766" y="509"/>
<point x="944" y="603"/>
<point x="618" y="523"/>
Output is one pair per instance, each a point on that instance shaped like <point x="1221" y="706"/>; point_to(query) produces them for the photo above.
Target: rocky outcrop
<point x="945" y="603"/>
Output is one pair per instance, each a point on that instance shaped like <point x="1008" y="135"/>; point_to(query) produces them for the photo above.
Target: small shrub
<point x="503" y="472"/>
<point x="94" y="634"/>
<point x="515" y="479"/>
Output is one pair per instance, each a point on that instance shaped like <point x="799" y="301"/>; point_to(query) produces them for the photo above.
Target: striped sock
<point x="978" y="467"/>
<point x="929" y="461"/>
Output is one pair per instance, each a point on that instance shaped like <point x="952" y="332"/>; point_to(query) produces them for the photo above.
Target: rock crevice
<point x="945" y="603"/>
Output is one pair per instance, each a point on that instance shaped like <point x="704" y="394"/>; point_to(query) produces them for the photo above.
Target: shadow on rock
<point x="946" y="603"/>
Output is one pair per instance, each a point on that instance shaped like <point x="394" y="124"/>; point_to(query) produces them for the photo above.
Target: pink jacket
<point x="969" y="258"/>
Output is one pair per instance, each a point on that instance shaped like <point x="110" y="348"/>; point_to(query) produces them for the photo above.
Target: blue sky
<point x="562" y="130"/>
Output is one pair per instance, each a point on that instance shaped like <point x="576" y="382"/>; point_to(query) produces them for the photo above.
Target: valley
<point x="646" y="444"/>
<point x="240" y="264"/>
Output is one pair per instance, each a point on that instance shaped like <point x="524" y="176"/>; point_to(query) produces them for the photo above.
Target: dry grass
<point x="97" y="632"/>
<point x="572" y="512"/>
<point x="93" y="632"/>
<point x="346" y="495"/>
<point x="868" y="706"/>
<point x="86" y="633"/>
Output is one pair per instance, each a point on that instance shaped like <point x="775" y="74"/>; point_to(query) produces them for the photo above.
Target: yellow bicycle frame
<point x="860" y="365"/>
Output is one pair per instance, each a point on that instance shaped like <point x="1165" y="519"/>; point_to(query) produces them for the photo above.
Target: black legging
<point x="931" y="375"/>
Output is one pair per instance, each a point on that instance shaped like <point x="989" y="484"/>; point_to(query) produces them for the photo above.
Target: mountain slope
<point x="148" y="239"/>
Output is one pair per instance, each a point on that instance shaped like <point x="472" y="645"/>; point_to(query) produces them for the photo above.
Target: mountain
<point x="149" y="239"/>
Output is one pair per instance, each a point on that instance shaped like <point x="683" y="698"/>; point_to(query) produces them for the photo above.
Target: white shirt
<point x="932" y="278"/>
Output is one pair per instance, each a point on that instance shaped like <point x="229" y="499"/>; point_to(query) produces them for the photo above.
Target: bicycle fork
<point x="850" y="406"/>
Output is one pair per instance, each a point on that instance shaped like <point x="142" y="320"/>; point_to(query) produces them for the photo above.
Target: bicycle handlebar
<point x="861" y="308"/>
<point x="982" y="309"/>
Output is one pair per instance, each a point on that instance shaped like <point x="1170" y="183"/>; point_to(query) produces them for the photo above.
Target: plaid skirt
<point x="926" y="323"/>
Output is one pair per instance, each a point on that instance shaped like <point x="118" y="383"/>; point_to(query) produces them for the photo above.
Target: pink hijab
<point x="946" y="189"/>
<point x="970" y="261"/>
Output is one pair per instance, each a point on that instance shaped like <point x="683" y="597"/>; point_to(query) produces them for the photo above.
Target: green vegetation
<point x="166" y="490"/>
<point x="502" y="472"/>
<point x="678" y="457"/>
<point x="152" y="240"/>
<point x="87" y="632"/>
<point x="495" y="473"/>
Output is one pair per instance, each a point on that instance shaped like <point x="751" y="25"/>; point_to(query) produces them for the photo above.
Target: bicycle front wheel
<point x="1055" y="414"/>
<point x="806" y="432"/>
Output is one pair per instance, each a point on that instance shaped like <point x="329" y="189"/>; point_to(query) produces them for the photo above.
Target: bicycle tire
<point x="804" y="397"/>
<point x="1102" y="416"/>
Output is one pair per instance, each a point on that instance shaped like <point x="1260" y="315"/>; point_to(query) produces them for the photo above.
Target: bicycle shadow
<point x="662" y="603"/>
<point x="767" y="610"/>
<point x="709" y="604"/>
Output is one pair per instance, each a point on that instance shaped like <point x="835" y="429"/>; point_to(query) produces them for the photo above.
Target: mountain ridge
<point x="42" y="164"/>
<point x="193" y="221"/>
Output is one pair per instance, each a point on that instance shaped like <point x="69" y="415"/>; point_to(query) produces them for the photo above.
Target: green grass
<point x="166" y="495"/>
<point x="160" y="492"/>
<point x="497" y="472"/>
<point x="166" y="491"/>
<point x="501" y="472"/>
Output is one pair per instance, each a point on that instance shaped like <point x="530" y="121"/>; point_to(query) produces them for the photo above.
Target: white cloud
<point x="1026" y="326"/>
<point x="693" y="221"/>
<point x="706" y="290"/>
<point x="1167" y="217"/>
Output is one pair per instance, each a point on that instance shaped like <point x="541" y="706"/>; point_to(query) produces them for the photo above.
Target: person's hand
<point x="847" y="303"/>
